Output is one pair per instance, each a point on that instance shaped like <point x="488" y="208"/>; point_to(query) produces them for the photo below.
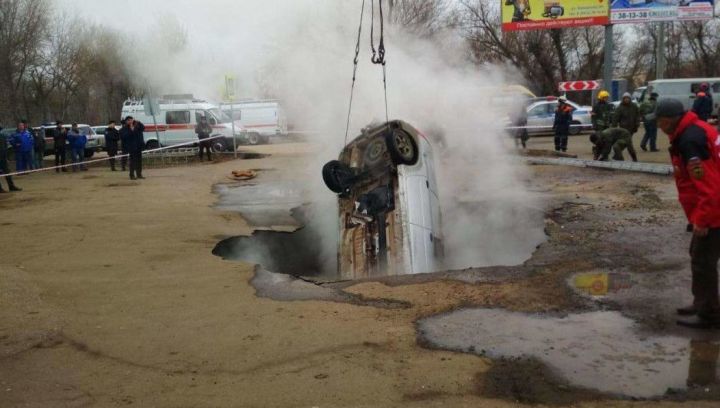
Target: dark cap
<point x="669" y="108"/>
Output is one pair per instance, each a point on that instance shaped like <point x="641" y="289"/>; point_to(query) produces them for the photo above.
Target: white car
<point x="389" y="211"/>
<point x="93" y="139"/>
<point x="541" y="116"/>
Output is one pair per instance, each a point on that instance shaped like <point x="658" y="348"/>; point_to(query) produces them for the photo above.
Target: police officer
<point x="133" y="141"/>
<point x="602" y="112"/>
<point x="696" y="159"/>
<point x="4" y="166"/>
<point x="112" y="138"/>
<point x="561" y="125"/>
<point x="203" y="131"/>
<point x="617" y="139"/>
<point x="60" y="146"/>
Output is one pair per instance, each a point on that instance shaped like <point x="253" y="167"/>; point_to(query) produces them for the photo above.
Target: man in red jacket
<point x="695" y="154"/>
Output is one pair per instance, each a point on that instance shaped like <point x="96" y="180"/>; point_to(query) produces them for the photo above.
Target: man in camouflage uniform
<point x="616" y="139"/>
<point x="647" y="112"/>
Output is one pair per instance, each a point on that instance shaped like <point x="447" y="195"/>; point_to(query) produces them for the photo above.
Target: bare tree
<point x="21" y="26"/>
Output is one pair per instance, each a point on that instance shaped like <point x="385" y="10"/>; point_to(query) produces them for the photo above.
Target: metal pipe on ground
<point x="651" y="168"/>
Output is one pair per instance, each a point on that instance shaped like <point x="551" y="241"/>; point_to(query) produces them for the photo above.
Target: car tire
<point x="402" y="147"/>
<point x="89" y="153"/>
<point x="254" y="138"/>
<point x="575" y="130"/>
<point x="220" y="145"/>
<point x="152" y="144"/>
<point x="338" y="176"/>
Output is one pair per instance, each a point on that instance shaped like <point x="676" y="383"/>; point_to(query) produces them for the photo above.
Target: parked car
<point x="541" y="115"/>
<point x="389" y="211"/>
<point x="93" y="140"/>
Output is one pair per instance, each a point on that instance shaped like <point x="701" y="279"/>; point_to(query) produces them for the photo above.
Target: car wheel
<point x="220" y="145"/>
<point x="402" y="147"/>
<point x="152" y="144"/>
<point x="254" y="138"/>
<point x="575" y="127"/>
<point x="374" y="152"/>
<point x="338" y="176"/>
<point x="89" y="153"/>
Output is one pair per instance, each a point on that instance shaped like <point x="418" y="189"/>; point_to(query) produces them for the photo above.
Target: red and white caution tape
<point x="119" y="156"/>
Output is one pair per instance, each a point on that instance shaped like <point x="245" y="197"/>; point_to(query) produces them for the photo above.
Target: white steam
<point x="301" y="52"/>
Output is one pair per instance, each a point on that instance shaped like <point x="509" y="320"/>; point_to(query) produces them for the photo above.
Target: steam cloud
<point x="301" y="52"/>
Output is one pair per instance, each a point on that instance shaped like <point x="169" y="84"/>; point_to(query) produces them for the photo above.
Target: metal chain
<point x="355" y="66"/>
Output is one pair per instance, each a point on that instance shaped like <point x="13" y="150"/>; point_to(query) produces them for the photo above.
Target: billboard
<point x="546" y="14"/>
<point x="641" y="11"/>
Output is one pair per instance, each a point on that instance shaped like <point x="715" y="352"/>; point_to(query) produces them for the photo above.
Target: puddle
<point x="601" y="284"/>
<point x="262" y="205"/>
<point x="600" y="351"/>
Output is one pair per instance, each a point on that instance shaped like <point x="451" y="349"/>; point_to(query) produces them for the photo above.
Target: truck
<point x="683" y="89"/>
<point x="265" y="117"/>
<point x="389" y="212"/>
<point x="175" y="122"/>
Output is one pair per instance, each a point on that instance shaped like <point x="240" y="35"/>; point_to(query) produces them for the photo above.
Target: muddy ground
<point x="110" y="296"/>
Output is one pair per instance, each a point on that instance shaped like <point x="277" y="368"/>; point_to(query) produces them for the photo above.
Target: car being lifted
<point x="389" y="211"/>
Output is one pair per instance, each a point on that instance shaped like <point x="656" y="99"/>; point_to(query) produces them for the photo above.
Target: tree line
<point x="55" y="66"/>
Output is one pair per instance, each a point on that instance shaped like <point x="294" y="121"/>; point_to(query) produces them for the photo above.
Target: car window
<point x="539" y="110"/>
<point x="211" y="118"/>
<point x="177" y="117"/>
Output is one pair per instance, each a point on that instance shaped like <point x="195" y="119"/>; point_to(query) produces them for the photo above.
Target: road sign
<point x="578" y="86"/>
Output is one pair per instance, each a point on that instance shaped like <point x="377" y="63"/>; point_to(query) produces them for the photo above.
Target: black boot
<point x="697" y="322"/>
<point x="687" y="311"/>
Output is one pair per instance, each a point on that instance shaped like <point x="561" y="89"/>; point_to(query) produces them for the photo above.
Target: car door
<point x="180" y="128"/>
<point x="539" y="121"/>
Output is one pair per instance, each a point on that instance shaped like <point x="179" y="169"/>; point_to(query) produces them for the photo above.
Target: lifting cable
<point x="378" y="57"/>
<point x="355" y="66"/>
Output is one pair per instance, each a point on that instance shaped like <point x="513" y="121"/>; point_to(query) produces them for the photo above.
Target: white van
<point x="683" y="90"/>
<point x="176" y="120"/>
<point x="389" y="211"/>
<point x="265" y="117"/>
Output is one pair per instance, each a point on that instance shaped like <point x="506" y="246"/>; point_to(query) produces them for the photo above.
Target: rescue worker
<point x="4" y="166"/>
<point x="60" y="146"/>
<point x="133" y="142"/>
<point x="39" y="148"/>
<point x="615" y="139"/>
<point x="627" y="115"/>
<point x="602" y="112"/>
<point x="22" y="141"/>
<point x="203" y="131"/>
<point x="695" y="155"/>
<point x="561" y="125"/>
<point x="112" y="138"/>
<point x="647" y="112"/>
<point x="77" y="148"/>
<point x="703" y="105"/>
